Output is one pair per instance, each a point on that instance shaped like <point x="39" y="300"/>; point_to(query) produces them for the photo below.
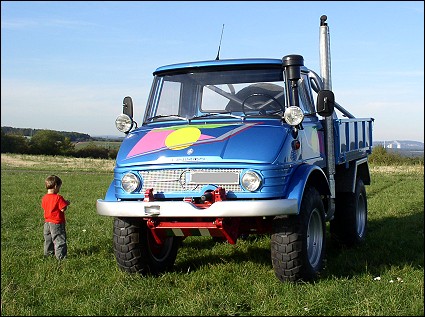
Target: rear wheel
<point x="298" y="242"/>
<point x="136" y="250"/>
<point x="349" y="225"/>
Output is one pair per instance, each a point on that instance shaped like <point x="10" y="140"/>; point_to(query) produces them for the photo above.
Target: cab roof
<point x="222" y="64"/>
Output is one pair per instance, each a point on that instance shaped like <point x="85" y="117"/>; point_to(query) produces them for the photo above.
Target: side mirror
<point x="127" y="106"/>
<point x="325" y="103"/>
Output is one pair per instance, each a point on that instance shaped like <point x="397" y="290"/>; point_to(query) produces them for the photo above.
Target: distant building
<point x="394" y="145"/>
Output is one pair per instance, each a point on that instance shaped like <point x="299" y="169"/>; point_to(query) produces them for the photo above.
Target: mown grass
<point x="383" y="277"/>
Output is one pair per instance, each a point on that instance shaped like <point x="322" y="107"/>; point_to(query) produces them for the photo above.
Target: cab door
<point x="311" y="136"/>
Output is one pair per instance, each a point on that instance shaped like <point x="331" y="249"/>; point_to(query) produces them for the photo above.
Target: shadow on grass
<point x="250" y="252"/>
<point x="389" y="242"/>
<point x="92" y="250"/>
<point x="392" y="241"/>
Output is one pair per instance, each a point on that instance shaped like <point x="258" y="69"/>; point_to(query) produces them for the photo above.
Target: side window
<point x="306" y="97"/>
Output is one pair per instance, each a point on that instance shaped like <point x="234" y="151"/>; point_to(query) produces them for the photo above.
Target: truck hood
<point x="247" y="142"/>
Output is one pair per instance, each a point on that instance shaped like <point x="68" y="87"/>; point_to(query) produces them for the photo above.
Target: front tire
<point x="349" y="225"/>
<point x="136" y="250"/>
<point x="298" y="243"/>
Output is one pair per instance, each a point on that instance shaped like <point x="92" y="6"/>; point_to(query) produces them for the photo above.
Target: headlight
<point x="251" y="181"/>
<point x="293" y="115"/>
<point x="130" y="182"/>
<point x="123" y="123"/>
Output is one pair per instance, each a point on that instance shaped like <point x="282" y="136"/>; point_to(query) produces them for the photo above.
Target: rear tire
<point x="298" y="243"/>
<point x="349" y="225"/>
<point x="136" y="250"/>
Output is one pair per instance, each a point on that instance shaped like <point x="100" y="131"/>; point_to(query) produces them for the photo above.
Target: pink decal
<point x="205" y="137"/>
<point x="153" y="140"/>
<point x="157" y="139"/>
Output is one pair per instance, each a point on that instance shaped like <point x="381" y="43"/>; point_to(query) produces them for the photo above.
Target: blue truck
<point x="233" y="147"/>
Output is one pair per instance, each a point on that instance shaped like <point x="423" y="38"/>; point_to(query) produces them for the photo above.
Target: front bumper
<point x="226" y="208"/>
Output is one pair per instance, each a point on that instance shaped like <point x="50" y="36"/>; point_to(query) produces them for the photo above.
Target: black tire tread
<point x="343" y="226"/>
<point x="288" y="242"/>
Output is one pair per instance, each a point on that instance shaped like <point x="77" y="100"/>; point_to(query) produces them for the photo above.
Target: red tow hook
<point x="210" y="197"/>
<point x="149" y="195"/>
<point x="219" y="194"/>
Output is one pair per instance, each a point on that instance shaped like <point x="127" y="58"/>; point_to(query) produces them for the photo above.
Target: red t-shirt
<point x="52" y="205"/>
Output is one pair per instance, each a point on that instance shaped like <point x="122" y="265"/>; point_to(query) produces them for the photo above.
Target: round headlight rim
<point x="290" y="110"/>
<point x="136" y="179"/>
<point x="128" y="122"/>
<point x="257" y="175"/>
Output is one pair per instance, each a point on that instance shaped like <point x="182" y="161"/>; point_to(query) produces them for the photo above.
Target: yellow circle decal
<point x="182" y="138"/>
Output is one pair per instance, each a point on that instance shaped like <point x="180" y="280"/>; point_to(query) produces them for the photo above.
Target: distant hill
<point x="403" y="147"/>
<point x="29" y="132"/>
<point x="108" y="137"/>
<point x="73" y="136"/>
<point x="401" y="144"/>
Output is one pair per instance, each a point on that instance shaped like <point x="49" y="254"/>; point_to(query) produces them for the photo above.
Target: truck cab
<point x="227" y="117"/>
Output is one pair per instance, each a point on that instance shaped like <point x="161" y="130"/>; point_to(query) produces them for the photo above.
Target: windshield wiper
<point x="221" y="114"/>
<point x="167" y="116"/>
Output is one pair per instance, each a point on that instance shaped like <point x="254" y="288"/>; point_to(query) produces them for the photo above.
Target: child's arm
<point x="67" y="204"/>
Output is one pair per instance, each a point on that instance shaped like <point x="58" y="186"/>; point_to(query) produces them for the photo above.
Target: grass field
<point x="106" y="144"/>
<point x="383" y="277"/>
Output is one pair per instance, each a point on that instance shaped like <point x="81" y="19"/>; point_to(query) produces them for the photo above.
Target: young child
<point x="54" y="206"/>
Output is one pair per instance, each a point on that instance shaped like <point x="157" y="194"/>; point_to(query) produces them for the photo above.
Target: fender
<point x="347" y="174"/>
<point x="304" y="174"/>
<point x="110" y="194"/>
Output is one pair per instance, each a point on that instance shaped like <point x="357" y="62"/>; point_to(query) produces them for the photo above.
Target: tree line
<point x="50" y="142"/>
<point x="29" y="132"/>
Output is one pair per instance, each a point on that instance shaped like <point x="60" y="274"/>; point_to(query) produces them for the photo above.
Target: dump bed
<point x="353" y="139"/>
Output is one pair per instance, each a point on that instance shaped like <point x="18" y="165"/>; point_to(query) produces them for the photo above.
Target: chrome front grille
<point x="179" y="180"/>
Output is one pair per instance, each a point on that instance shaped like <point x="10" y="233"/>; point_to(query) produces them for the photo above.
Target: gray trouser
<point x="55" y="240"/>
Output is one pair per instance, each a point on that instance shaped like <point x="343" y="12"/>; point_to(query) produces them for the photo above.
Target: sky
<point x="67" y="65"/>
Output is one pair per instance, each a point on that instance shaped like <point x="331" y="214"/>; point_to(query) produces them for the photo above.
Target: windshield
<point x="240" y="93"/>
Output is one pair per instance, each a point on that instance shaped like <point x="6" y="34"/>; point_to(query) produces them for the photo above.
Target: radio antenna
<point x="218" y="53"/>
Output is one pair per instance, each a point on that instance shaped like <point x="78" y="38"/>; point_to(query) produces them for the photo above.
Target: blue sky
<point x="67" y="65"/>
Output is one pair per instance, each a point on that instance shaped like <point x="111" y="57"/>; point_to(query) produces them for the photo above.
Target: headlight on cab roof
<point x="293" y="115"/>
<point x="130" y="182"/>
<point x="123" y="123"/>
<point x="251" y="181"/>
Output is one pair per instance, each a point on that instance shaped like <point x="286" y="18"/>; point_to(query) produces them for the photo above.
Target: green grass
<point x="106" y="144"/>
<point x="209" y="279"/>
